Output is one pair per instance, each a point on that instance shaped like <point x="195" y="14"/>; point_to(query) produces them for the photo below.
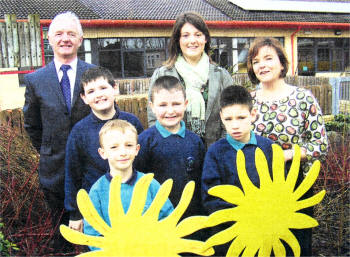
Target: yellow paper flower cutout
<point x="264" y="215"/>
<point x="137" y="234"/>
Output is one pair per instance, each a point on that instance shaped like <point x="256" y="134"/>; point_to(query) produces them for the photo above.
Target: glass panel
<point x="305" y="42"/>
<point x="154" y="43"/>
<point x="132" y="43"/>
<point x="337" y="60"/>
<point x="339" y="42"/>
<point x="347" y="60"/>
<point x="112" y="61"/>
<point x="221" y="52"/>
<point x="133" y="64"/>
<point x="306" y="65"/>
<point x="323" y="59"/>
<point x="243" y="47"/>
<point x="154" y="59"/>
<point x="109" y="43"/>
<point x="324" y="43"/>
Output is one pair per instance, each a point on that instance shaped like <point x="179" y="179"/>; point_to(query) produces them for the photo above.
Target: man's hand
<point x="76" y="225"/>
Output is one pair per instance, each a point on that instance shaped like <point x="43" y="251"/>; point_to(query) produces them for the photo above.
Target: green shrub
<point x="341" y="123"/>
<point x="6" y="247"/>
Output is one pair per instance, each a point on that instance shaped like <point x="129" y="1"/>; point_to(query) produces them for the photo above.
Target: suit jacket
<point x="48" y="122"/>
<point x="218" y="79"/>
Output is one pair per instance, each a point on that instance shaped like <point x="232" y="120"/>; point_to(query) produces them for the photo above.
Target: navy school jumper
<point x="83" y="163"/>
<point x="178" y="156"/>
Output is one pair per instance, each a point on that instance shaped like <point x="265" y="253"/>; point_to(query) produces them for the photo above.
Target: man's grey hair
<point x="68" y="16"/>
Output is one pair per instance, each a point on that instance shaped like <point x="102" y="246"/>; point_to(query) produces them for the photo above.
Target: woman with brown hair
<point x="286" y="114"/>
<point x="189" y="61"/>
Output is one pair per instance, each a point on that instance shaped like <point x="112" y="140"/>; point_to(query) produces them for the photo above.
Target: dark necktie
<point x="65" y="85"/>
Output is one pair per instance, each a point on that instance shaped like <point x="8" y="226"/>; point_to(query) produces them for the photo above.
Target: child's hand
<point x="76" y="225"/>
<point x="288" y="154"/>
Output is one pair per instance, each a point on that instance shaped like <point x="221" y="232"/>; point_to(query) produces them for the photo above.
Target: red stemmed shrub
<point x="332" y="236"/>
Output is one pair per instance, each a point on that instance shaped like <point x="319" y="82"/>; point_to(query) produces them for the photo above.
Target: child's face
<point x="237" y="120"/>
<point x="99" y="95"/>
<point x="169" y="108"/>
<point x="119" y="149"/>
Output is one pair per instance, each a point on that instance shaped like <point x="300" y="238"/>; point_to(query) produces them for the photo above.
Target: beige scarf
<point x="195" y="77"/>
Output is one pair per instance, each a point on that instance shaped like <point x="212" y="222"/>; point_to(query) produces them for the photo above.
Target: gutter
<point x="211" y="24"/>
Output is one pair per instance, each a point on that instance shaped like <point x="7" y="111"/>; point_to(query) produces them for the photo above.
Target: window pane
<point x="305" y="42"/>
<point x="154" y="59"/>
<point x="323" y="59"/>
<point x="337" y="61"/>
<point x="133" y="64"/>
<point x="132" y="43"/>
<point x="112" y="61"/>
<point x="154" y="43"/>
<point x="347" y="60"/>
<point x="221" y="52"/>
<point x="306" y="65"/>
<point x="242" y="51"/>
<point x="109" y="43"/>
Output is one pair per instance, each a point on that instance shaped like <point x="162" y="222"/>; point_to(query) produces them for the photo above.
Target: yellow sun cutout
<point x="264" y="215"/>
<point x="137" y="234"/>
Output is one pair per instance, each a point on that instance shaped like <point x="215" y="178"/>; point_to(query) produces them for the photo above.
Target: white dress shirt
<point x="72" y="72"/>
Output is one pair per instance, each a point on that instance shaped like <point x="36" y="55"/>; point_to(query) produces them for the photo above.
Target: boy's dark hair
<point x="167" y="83"/>
<point x="94" y="73"/>
<point x="235" y="95"/>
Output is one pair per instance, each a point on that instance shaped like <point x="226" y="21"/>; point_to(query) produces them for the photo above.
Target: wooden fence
<point x="20" y="42"/>
<point x="319" y="86"/>
<point x="136" y="104"/>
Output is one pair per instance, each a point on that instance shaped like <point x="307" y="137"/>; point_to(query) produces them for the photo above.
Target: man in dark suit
<point x="52" y="106"/>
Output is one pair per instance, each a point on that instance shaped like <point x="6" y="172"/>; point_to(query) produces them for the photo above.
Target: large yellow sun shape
<point x="137" y="234"/>
<point x="264" y="215"/>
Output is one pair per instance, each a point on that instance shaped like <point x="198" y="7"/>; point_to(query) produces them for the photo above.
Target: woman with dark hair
<point x="189" y="61"/>
<point x="286" y="114"/>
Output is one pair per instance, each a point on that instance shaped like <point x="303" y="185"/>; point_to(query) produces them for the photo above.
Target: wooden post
<point x="3" y="46"/>
<point x="9" y="40"/>
<point x="16" y="57"/>
<point x="27" y="48"/>
<point x="37" y="39"/>
<point x="22" y="44"/>
<point x="31" y="19"/>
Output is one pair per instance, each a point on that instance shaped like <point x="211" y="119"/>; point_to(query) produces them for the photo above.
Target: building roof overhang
<point x="315" y="6"/>
<point x="211" y="24"/>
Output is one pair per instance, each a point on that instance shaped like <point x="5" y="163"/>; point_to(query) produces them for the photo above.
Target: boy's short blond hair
<point x="116" y="124"/>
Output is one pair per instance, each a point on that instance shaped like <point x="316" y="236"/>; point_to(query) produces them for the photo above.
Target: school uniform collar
<point x="98" y="120"/>
<point x="131" y="181"/>
<point x="166" y="133"/>
<point x="239" y="145"/>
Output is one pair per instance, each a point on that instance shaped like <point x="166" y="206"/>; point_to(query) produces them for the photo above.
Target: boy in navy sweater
<point x="237" y="115"/>
<point x="118" y="140"/>
<point x="168" y="149"/>
<point x="83" y="164"/>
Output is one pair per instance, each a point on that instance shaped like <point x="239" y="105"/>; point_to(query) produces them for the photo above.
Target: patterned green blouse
<point x="295" y="119"/>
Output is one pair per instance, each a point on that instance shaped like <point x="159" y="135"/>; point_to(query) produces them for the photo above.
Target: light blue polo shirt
<point x="239" y="145"/>
<point x="166" y="133"/>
